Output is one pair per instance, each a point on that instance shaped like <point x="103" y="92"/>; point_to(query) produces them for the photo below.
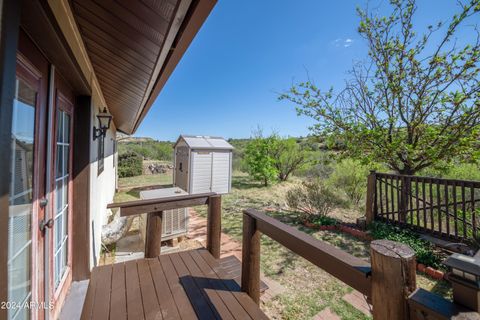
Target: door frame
<point x="63" y="100"/>
<point x="10" y="19"/>
<point x="32" y="67"/>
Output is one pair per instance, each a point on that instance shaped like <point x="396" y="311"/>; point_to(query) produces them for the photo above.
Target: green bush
<point x="322" y="220"/>
<point x="424" y="250"/>
<point x="130" y="164"/>
<point x="350" y="176"/>
<point x="312" y="199"/>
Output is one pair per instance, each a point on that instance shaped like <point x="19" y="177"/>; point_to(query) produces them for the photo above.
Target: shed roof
<point x="205" y="142"/>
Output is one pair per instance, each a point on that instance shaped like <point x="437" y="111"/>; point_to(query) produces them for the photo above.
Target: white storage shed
<point x="203" y="164"/>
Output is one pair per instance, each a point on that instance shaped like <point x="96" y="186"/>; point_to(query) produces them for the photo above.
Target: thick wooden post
<point x="370" y="200"/>
<point x="153" y="241"/>
<point x="214" y="225"/>
<point x="251" y="258"/>
<point x="393" y="279"/>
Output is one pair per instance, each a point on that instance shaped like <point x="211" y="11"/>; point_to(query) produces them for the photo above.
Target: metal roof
<point x="205" y="142"/>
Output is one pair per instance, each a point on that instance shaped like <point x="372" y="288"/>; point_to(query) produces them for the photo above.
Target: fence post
<point x="153" y="241"/>
<point x="404" y="194"/>
<point x="214" y="225"/>
<point x="393" y="279"/>
<point x="251" y="258"/>
<point x="370" y="200"/>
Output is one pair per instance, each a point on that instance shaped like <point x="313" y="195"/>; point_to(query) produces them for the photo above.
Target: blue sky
<point x="247" y="52"/>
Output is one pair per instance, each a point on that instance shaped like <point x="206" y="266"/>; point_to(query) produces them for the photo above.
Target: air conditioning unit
<point x="174" y="222"/>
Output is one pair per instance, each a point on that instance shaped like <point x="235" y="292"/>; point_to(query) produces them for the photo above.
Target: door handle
<point x="46" y="224"/>
<point x="43" y="202"/>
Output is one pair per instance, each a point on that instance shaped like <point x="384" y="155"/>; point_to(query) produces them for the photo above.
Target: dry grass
<point x="309" y="289"/>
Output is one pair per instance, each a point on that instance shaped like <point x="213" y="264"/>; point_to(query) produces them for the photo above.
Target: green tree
<point x="288" y="156"/>
<point x="415" y="103"/>
<point x="259" y="161"/>
<point x="130" y="164"/>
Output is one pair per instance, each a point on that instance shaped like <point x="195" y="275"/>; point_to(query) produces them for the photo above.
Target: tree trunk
<point x="405" y="192"/>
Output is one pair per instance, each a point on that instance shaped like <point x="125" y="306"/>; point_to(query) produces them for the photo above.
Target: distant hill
<point x="129" y="139"/>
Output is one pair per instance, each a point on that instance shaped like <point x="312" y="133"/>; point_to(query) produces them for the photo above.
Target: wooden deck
<point x="186" y="285"/>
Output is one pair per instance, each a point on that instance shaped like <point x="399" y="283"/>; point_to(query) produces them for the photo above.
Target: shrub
<point x="424" y="250"/>
<point x="350" y="176"/>
<point x="323" y="220"/>
<point x="129" y="165"/>
<point x="312" y="199"/>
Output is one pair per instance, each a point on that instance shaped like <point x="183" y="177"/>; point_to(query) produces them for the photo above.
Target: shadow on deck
<point x="184" y="285"/>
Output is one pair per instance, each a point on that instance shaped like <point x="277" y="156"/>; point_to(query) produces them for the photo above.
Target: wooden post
<point x="393" y="279"/>
<point x="214" y="225"/>
<point x="370" y="200"/>
<point x="153" y="241"/>
<point x="251" y="258"/>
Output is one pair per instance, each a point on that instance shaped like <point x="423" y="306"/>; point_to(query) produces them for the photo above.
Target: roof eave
<point x="196" y="15"/>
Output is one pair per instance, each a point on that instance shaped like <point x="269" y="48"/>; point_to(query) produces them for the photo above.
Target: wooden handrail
<point x="351" y="270"/>
<point x="135" y="207"/>
<point x="155" y="207"/>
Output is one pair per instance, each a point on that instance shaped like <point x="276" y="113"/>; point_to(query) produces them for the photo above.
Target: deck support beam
<point x="214" y="225"/>
<point x="153" y="243"/>
<point x="251" y="258"/>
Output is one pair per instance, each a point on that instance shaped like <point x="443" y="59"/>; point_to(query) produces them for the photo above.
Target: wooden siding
<point x="124" y="40"/>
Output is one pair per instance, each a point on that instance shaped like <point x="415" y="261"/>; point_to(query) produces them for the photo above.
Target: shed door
<point x="221" y="172"/>
<point x="201" y="177"/>
<point x="181" y="168"/>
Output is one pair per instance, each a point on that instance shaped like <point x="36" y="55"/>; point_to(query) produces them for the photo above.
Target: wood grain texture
<point x="393" y="279"/>
<point x="350" y="269"/>
<point x="153" y="241"/>
<point x="214" y="225"/>
<point x="186" y="285"/>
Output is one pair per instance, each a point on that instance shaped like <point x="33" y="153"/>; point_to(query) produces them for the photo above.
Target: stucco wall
<point x="102" y="185"/>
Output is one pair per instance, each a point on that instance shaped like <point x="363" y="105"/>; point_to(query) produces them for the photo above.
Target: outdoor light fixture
<point x="464" y="267"/>
<point x="465" y="279"/>
<point x="104" y="119"/>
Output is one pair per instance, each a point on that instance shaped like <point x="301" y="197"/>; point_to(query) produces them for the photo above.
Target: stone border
<point x="365" y="236"/>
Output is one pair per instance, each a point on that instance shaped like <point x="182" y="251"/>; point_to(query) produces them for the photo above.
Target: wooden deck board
<point x="164" y="294"/>
<point x="216" y="303"/>
<point x="229" y="299"/>
<point x="118" y="299"/>
<point x="187" y="285"/>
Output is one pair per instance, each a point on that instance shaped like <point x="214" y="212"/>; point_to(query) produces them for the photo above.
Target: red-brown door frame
<point x="32" y="67"/>
<point x="63" y="101"/>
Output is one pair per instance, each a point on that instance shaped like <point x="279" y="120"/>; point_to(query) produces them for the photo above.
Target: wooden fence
<point x="443" y="207"/>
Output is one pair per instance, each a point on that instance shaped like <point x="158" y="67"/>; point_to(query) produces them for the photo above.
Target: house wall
<point x="102" y="184"/>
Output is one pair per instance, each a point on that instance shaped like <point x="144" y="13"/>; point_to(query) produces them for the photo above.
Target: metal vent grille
<point x="175" y="223"/>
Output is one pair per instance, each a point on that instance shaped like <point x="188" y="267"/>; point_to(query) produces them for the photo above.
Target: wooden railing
<point x="389" y="282"/>
<point x="155" y="208"/>
<point x="443" y="207"/>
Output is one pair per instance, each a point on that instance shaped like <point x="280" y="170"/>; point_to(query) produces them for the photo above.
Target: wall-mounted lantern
<point x="104" y="120"/>
<point x="465" y="278"/>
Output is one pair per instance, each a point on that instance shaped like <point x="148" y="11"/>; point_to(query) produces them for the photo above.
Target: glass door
<point x="60" y="243"/>
<point x="62" y="203"/>
<point x="26" y="197"/>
